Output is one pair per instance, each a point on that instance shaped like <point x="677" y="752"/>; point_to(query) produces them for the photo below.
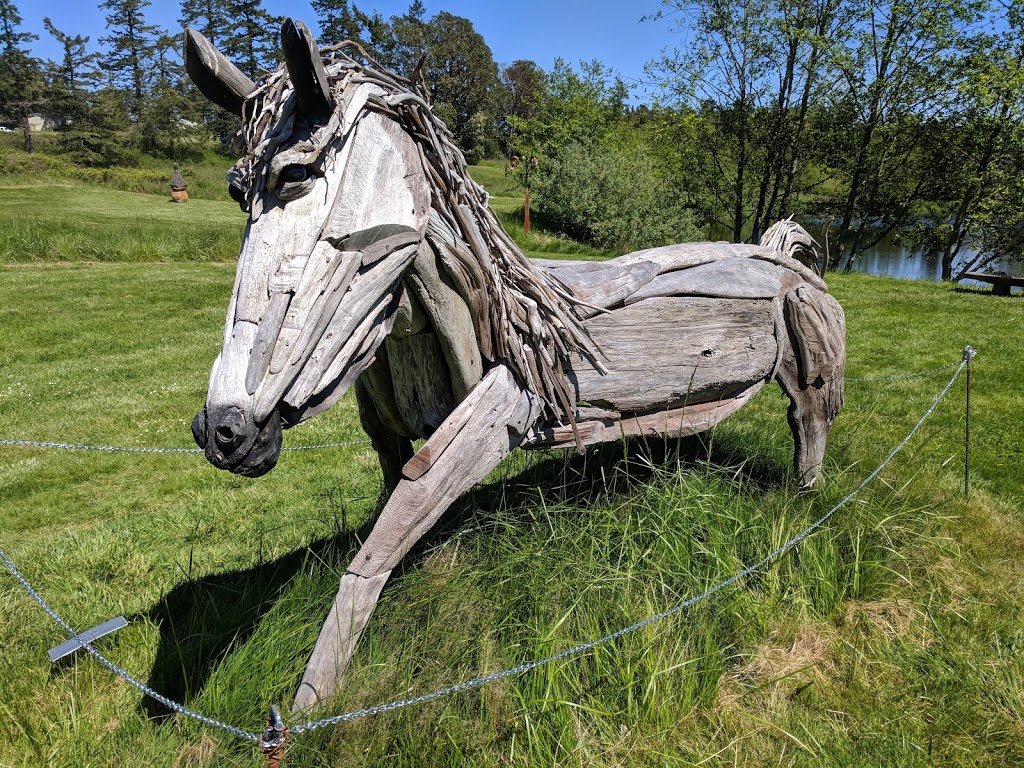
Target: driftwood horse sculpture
<point x="372" y="259"/>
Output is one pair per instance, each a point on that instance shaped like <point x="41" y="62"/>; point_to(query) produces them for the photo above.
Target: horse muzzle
<point x="233" y="442"/>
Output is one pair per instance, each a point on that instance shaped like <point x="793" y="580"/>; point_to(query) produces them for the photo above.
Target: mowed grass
<point x="892" y="637"/>
<point x="61" y="220"/>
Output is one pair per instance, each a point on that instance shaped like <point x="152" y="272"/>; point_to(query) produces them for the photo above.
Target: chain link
<point x="583" y="647"/>
<point x="121" y="449"/>
<point x="512" y="671"/>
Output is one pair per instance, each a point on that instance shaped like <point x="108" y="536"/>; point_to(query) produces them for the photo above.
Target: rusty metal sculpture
<point x="372" y="259"/>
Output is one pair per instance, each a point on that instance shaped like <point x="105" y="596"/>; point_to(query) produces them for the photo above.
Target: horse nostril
<point x="230" y="433"/>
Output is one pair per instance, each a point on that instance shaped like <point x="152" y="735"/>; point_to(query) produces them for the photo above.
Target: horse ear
<point x="306" y="70"/>
<point x="217" y="78"/>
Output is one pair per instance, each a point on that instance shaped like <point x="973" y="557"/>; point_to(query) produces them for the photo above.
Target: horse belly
<point x="667" y="352"/>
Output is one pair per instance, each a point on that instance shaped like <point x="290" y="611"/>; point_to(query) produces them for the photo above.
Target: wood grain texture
<point x="450" y="318"/>
<point x="422" y="384"/>
<point x="735" y="278"/>
<point x="608" y="286"/>
<point x="490" y="422"/>
<point x="688" y="255"/>
<point x="674" y="422"/>
<point x="664" y="352"/>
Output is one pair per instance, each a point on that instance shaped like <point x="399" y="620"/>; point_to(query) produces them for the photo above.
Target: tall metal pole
<point x="969" y="354"/>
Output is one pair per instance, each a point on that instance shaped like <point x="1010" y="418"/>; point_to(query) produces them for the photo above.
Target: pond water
<point x="902" y="258"/>
<point x="891" y="258"/>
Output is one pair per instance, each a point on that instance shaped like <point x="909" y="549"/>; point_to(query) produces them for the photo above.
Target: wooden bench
<point x="1001" y="282"/>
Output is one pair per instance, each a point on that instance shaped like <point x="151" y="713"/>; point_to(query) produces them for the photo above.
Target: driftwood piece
<point x="492" y="420"/>
<point x="688" y="255"/>
<point x="410" y="317"/>
<point x="422" y="385"/>
<point x="736" y="278"/>
<point x="377" y="381"/>
<point x="674" y="422"/>
<point x="608" y="286"/>
<point x="664" y="352"/>
<point x="450" y="317"/>
<point x="217" y="78"/>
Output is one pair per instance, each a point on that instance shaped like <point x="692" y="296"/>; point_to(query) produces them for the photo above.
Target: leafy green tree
<point x="580" y="107"/>
<point x="131" y="47"/>
<point x="750" y="72"/>
<point x="978" y="154"/>
<point x="612" y="196"/>
<point x="899" y="74"/>
<point x="524" y="86"/>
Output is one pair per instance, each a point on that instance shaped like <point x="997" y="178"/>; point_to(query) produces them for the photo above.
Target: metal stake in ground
<point x="969" y="353"/>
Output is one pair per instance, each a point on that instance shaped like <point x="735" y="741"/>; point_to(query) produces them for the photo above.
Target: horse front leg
<point x="478" y="434"/>
<point x="393" y="450"/>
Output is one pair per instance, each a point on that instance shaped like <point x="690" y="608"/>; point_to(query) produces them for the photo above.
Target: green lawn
<point x="891" y="637"/>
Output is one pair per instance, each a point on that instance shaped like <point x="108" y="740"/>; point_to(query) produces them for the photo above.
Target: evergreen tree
<point x="209" y="17"/>
<point x="341" y="20"/>
<point x="462" y="78"/>
<point x="21" y="81"/>
<point x="71" y="78"/>
<point x="404" y="40"/>
<point x="131" y="47"/>
<point x="252" y="37"/>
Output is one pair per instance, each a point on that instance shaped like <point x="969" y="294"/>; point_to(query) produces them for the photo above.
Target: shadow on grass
<point x="203" y="620"/>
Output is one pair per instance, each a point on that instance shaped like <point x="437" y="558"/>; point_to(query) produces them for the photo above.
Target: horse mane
<point x="522" y="316"/>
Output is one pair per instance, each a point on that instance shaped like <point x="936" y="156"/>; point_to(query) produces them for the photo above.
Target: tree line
<point x="875" y="117"/>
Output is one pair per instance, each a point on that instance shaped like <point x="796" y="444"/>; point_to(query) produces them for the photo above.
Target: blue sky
<point x="607" y="30"/>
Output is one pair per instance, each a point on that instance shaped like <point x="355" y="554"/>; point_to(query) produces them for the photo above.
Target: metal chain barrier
<point x="120" y="449"/>
<point x="124" y="449"/>
<point x="513" y="671"/>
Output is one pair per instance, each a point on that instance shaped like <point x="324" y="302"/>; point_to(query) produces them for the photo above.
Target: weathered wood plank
<point x="450" y="317"/>
<point x="735" y="278"/>
<point x="421" y="381"/>
<point x="674" y="422"/>
<point x="608" y="286"/>
<point x="686" y="255"/>
<point x="492" y="420"/>
<point x="664" y="352"/>
<point x="266" y="338"/>
<point x="383" y="164"/>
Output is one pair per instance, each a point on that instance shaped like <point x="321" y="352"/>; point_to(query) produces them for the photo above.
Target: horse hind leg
<point x="478" y="434"/>
<point x="813" y="358"/>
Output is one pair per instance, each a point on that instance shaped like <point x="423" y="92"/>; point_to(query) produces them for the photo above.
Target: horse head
<point x="338" y="205"/>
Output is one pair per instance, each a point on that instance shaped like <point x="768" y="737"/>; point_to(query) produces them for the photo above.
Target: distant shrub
<point x="612" y="197"/>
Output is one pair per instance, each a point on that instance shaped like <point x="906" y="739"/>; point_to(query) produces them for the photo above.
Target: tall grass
<point x="890" y="637"/>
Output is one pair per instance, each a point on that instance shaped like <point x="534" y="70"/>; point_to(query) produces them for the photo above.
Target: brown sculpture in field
<point x="372" y="259"/>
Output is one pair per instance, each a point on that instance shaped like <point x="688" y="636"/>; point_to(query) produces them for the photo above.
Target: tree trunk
<point x="27" y="134"/>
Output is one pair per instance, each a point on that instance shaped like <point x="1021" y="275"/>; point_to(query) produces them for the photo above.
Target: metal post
<point x="969" y="354"/>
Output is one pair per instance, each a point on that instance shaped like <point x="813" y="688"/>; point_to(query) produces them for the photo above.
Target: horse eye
<point x="294" y="173"/>
<point x="237" y="194"/>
